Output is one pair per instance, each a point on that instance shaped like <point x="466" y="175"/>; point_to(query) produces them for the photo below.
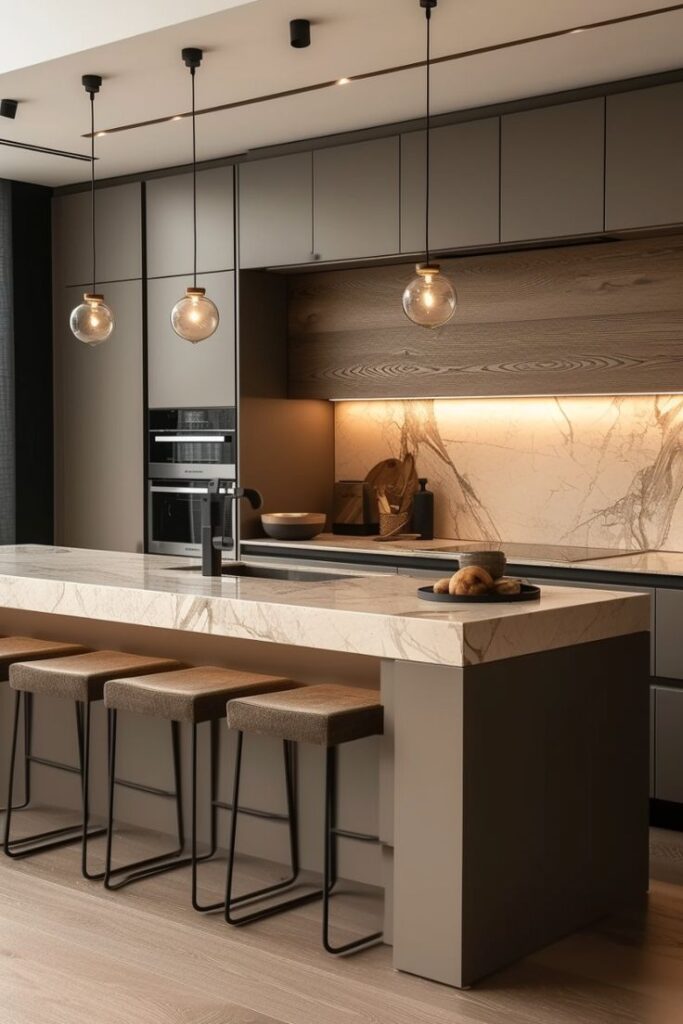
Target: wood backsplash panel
<point x="604" y="318"/>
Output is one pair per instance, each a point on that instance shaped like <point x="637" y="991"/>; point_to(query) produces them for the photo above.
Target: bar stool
<point x="80" y="678"/>
<point x="326" y="715"/>
<point x="26" y="648"/>
<point x="193" y="695"/>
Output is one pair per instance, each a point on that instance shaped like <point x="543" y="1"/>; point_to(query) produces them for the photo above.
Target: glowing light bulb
<point x="429" y="300"/>
<point x="93" y="321"/>
<point x="194" y="317"/>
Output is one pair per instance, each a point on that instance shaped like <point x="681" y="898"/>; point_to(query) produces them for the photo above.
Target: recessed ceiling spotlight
<point x="178" y="117"/>
<point x="343" y="81"/>
<point x="100" y="134"/>
<point x="575" y="31"/>
<point x="300" y="33"/>
<point x="8" y="108"/>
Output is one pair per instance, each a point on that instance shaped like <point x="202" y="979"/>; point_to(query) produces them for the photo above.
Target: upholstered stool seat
<point x="79" y="677"/>
<point x="189" y="694"/>
<point x="82" y="677"/>
<point x="193" y="695"/>
<point x="326" y="715"/>
<point x="28" y="648"/>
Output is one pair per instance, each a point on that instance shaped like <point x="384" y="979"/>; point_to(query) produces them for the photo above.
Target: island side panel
<point x="555" y="796"/>
<point x="427" y="720"/>
<point x="521" y="810"/>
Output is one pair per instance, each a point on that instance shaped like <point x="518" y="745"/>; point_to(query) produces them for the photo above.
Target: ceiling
<point x="248" y="54"/>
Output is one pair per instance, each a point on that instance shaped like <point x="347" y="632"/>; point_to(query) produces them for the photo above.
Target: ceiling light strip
<point x="365" y="76"/>
<point x="44" y="149"/>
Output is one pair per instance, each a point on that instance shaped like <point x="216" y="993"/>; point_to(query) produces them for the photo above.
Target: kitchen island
<point x="514" y="766"/>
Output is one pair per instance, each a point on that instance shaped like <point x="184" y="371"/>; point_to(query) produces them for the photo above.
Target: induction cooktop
<point x="516" y="552"/>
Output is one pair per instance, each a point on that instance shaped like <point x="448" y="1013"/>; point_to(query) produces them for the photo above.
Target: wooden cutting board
<point x="397" y="478"/>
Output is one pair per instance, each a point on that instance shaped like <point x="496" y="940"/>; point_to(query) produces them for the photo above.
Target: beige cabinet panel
<point x="644" y="167"/>
<point x="464" y="185"/>
<point x="552" y="171"/>
<point x="99" y="427"/>
<point x="118" y="219"/>
<point x="180" y="374"/>
<point x="169" y="223"/>
<point x="276" y="211"/>
<point x="356" y="200"/>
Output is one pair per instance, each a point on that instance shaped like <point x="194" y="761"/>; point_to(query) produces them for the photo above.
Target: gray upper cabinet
<point x="99" y="427"/>
<point x="644" y="158"/>
<point x="552" y="171"/>
<point x="169" y="223"/>
<point x="356" y="200"/>
<point x="118" y="219"/>
<point x="182" y="375"/>
<point x="464" y="184"/>
<point x="669" y="650"/>
<point x="276" y="211"/>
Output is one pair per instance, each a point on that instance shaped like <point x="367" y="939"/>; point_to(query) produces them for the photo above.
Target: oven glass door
<point x="175" y="517"/>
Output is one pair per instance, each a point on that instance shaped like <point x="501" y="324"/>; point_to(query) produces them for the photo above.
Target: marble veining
<point x="587" y="471"/>
<point x="376" y="615"/>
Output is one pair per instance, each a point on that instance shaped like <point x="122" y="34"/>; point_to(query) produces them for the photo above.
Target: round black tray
<point x="529" y="592"/>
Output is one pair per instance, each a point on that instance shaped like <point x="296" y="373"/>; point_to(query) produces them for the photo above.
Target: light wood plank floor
<point x="71" y="953"/>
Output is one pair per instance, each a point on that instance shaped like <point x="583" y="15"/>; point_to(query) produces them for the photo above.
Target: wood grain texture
<point x="604" y="318"/>
<point x="71" y="953"/>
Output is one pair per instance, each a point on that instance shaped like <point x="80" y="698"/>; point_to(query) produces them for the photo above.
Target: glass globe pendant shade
<point x="93" y="321"/>
<point x="429" y="300"/>
<point x="194" y="317"/>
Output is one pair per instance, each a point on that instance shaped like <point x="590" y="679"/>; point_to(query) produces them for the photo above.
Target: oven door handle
<point x="182" y="490"/>
<point x="191" y="438"/>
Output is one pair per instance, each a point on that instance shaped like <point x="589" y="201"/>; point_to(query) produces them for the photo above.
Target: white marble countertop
<point x="376" y="615"/>
<point x="667" y="563"/>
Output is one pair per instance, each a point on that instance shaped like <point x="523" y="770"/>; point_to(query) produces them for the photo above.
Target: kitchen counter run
<point x="375" y="615"/>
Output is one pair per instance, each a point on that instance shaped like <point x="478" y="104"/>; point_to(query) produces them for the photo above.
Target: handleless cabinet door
<point x="356" y="200"/>
<point x="99" y="427"/>
<point x="169" y="223"/>
<point x="464" y="184"/>
<point x="644" y="158"/>
<point x="668" y="746"/>
<point x="552" y="171"/>
<point x="118" y="220"/>
<point x="669" y="649"/>
<point x="276" y="211"/>
<point x="180" y="374"/>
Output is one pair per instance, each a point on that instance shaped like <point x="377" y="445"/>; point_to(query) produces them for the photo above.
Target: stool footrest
<point x="254" y="812"/>
<point x="42" y="841"/>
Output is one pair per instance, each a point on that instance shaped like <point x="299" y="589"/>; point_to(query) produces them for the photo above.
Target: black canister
<point x="423" y="512"/>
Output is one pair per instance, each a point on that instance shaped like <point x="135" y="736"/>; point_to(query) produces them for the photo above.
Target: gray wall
<point x="7" y="447"/>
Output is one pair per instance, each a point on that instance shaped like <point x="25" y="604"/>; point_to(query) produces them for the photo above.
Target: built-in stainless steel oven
<point x="175" y="516"/>
<point x="194" y="443"/>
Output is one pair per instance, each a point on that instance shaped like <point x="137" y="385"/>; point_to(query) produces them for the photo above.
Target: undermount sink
<point x="268" y="572"/>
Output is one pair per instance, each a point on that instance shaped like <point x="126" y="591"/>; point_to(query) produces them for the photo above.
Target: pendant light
<point x="429" y="300"/>
<point x="93" y="321"/>
<point x="194" y="317"/>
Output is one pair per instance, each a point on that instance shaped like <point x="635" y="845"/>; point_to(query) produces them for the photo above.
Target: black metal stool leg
<point x="162" y="862"/>
<point x="27" y="846"/>
<point x="28" y="713"/>
<point x="330" y="859"/>
<point x="213" y="840"/>
<point x="258" y="894"/>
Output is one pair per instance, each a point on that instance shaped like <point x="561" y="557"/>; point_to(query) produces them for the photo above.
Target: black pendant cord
<point x="428" y="15"/>
<point x="194" y="184"/>
<point x="92" y="189"/>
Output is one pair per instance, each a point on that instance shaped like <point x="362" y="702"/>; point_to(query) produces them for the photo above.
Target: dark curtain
<point x="7" y="438"/>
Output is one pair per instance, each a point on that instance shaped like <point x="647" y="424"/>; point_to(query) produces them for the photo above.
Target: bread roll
<point x="441" y="586"/>
<point x="472" y="580"/>
<point x="508" y="585"/>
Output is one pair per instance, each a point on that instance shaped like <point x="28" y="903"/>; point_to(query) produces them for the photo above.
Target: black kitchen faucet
<point x="221" y="496"/>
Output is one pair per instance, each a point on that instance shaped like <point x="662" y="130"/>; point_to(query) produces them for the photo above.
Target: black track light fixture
<point x="8" y="108"/>
<point x="300" y="33"/>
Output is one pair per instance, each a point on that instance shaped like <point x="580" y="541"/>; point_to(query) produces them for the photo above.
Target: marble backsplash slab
<point x="594" y="471"/>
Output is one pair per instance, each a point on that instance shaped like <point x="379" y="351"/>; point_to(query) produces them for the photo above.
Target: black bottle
<point x="423" y="512"/>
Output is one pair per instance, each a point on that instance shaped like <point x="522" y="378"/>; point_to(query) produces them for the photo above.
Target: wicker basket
<point x="392" y="522"/>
